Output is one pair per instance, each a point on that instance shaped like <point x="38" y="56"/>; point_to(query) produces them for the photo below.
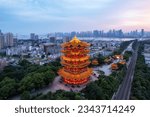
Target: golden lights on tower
<point x="75" y="61"/>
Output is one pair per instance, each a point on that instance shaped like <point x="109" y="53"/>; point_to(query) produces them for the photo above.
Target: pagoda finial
<point x="75" y="40"/>
<point x="75" y="36"/>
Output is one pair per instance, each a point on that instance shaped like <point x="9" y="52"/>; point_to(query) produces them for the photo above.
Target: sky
<point x="45" y="16"/>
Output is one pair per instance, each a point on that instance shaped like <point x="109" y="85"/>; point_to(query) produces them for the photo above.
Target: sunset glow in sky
<point x="42" y="16"/>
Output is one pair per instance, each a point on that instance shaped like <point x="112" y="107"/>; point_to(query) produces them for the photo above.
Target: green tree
<point x="25" y="95"/>
<point x="24" y="63"/>
<point x="32" y="81"/>
<point x="93" y="92"/>
<point x="7" y="88"/>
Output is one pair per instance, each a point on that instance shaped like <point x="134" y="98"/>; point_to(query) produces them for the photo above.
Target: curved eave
<point x="87" y="73"/>
<point x="77" y="65"/>
<point x="75" y="59"/>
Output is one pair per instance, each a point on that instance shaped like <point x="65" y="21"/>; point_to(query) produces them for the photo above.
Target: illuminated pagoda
<point x="95" y="62"/>
<point x="114" y="66"/>
<point x="75" y="61"/>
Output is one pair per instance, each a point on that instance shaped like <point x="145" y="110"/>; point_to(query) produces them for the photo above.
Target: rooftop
<point x="75" y="40"/>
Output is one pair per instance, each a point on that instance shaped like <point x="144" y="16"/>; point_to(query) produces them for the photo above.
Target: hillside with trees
<point x="26" y="78"/>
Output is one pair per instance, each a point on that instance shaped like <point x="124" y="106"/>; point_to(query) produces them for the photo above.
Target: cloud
<point x="30" y="9"/>
<point x="51" y="9"/>
<point x="76" y="14"/>
<point x="87" y="4"/>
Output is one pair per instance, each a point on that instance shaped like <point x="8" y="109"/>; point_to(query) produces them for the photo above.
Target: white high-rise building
<point x="9" y="40"/>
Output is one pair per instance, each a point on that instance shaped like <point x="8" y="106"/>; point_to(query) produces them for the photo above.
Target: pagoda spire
<point x="75" y="40"/>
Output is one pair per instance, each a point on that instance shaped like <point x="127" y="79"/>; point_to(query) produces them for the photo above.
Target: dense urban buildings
<point x="33" y="36"/>
<point x="111" y="33"/>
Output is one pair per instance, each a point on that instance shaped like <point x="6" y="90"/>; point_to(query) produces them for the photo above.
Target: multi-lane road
<point x="124" y="90"/>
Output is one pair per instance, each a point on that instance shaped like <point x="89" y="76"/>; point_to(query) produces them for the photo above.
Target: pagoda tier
<point x="75" y="70"/>
<point x="77" y="78"/>
<point x="76" y="58"/>
<point x="76" y="64"/>
<point x="75" y="61"/>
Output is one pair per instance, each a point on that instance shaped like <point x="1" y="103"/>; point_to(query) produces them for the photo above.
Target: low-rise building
<point x="146" y="54"/>
<point x="3" y="63"/>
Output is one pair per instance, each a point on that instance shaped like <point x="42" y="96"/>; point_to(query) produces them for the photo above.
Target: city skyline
<point x="26" y="16"/>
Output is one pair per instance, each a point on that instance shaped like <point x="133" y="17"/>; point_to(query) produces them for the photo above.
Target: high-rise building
<point x="96" y="33"/>
<point x="66" y="39"/>
<point x="15" y="41"/>
<point x="36" y="37"/>
<point x="120" y="33"/>
<point x="9" y="40"/>
<point x="73" y="34"/>
<point x="75" y="61"/>
<point x="53" y="39"/>
<point x="32" y="36"/>
<point x="51" y="48"/>
<point x="142" y="32"/>
<point x="2" y="42"/>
